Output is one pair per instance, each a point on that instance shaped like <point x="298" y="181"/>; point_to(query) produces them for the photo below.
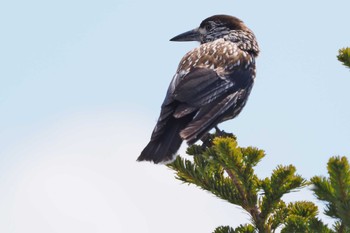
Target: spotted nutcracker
<point x="211" y="85"/>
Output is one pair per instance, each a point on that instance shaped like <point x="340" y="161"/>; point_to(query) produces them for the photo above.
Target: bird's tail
<point x="163" y="147"/>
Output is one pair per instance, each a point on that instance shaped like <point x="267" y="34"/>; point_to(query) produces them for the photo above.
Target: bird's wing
<point x="213" y="95"/>
<point x="201" y="86"/>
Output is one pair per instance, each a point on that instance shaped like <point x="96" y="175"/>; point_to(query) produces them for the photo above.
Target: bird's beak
<point x="192" y="35"/>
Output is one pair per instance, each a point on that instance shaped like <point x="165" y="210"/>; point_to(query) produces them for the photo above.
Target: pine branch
<point x="335" y="191"/>
<point x="203" y="175"/>
<point x="302" y="218"/>
<point x="223" y="168"/>
<point x="224" y="229"/>
<point x="344" y="56"/>
<point x="283" y="180"/>
<point x="241" y="229"/>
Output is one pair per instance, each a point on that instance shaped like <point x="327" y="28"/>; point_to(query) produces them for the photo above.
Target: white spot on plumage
<point x="181" y="73"/>
<point x="235" y="53"/>
<point x="214" y="50"/>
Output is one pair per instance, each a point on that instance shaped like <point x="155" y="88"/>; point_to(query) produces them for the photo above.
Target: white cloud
<point x="80" y="175"/>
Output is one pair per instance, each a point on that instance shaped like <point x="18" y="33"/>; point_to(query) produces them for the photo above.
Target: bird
<point x="212" y="84"/>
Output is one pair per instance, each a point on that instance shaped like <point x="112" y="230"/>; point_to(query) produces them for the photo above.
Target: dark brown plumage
<point x="211" y="85"/>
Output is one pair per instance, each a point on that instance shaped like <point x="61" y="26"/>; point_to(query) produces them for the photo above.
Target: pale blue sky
<point x="81" y="84"/>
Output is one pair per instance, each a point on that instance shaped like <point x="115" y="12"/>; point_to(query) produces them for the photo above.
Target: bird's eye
<point x="208" y="27"/>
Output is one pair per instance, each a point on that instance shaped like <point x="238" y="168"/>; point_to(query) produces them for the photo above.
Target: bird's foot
<point x="222" y="133"/>
<point x="207" y="139"/>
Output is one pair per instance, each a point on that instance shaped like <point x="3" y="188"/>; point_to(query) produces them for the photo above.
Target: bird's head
<point x="212" y="28"/>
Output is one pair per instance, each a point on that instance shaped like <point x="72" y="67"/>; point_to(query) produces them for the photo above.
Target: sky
<point x="81" y="84"/>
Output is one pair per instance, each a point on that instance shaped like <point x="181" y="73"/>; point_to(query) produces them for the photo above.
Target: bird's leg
<point x="218" y="131"/>
<point x="222" y="133"/>
<point x="207" y="140"/>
